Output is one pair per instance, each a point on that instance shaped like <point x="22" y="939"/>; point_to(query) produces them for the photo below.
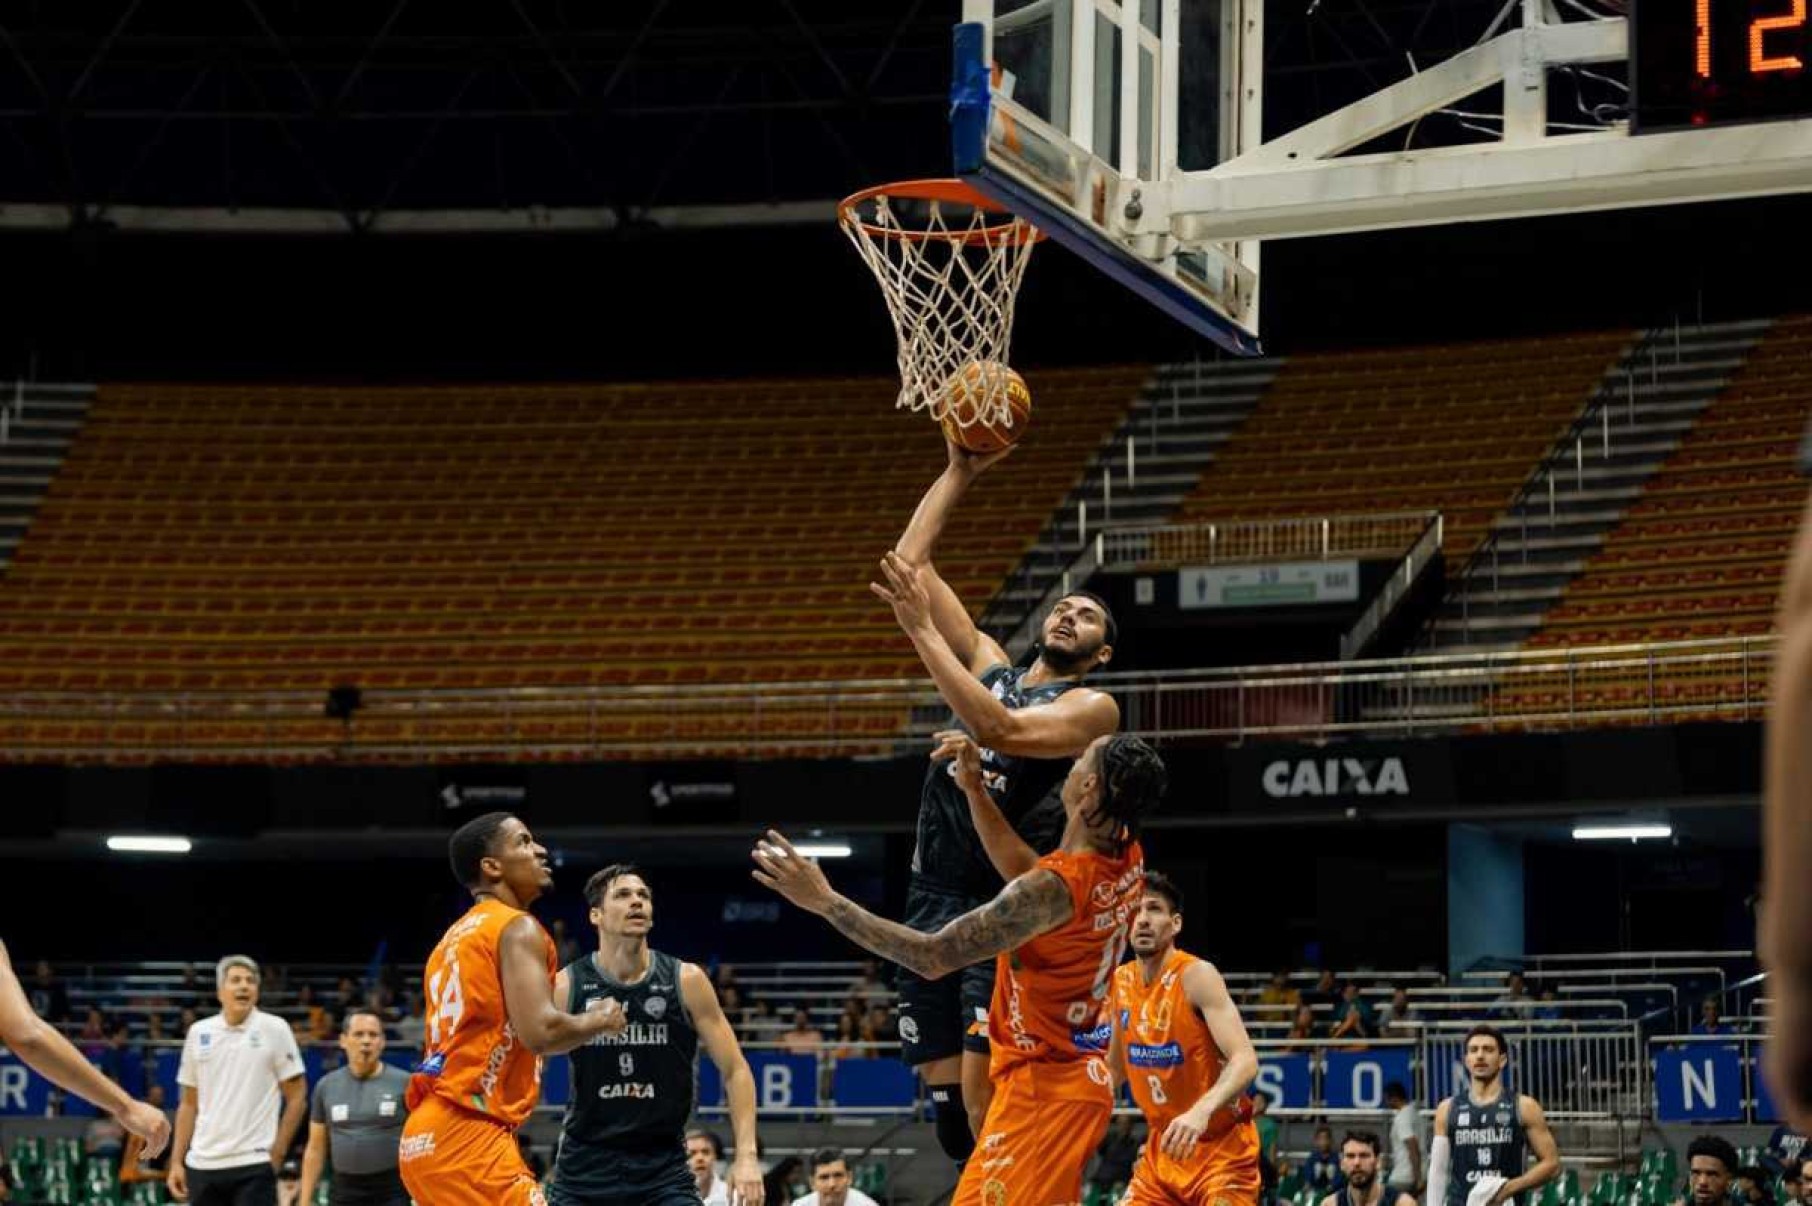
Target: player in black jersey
<point x="622" y="1142"/>
<point x="1483" y="1134"/>
<point x="1031" y="720"/>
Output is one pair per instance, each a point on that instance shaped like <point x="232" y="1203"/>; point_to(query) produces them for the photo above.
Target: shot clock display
<point x="1718" y="62"/>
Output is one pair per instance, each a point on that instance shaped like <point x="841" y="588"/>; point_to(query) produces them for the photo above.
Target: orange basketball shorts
<point x="452" y="1157"/>
<point x="1159" y="1180"/>
<point x="1034" y="1146"/>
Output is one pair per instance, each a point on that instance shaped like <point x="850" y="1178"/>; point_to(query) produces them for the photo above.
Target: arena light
<point x="823" y="849"/>
<point x="146" y="843"/>
<point x="1626" y="833"/>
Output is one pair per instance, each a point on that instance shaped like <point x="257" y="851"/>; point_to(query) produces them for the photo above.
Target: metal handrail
<point x="1224" y="542"/>
<point x="1723" y="677"/>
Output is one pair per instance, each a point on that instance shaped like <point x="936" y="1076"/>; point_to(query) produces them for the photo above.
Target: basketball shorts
<point x="452" y="1157"/>
<point x="621" y="1178"/>
<point x="1158" y="1180"/>
<point x="942" y="1018"/>
<point x="1034" y="1146"/>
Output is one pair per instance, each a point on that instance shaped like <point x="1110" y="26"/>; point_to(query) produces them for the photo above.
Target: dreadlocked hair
<point x="1133" y="782"/>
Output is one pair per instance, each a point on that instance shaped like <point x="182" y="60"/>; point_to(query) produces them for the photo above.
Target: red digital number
<point x="1701" y="38"/>
<point x="1759" y="60"/>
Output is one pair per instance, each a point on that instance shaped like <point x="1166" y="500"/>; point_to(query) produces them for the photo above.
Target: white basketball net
<point x="950" y="281"/>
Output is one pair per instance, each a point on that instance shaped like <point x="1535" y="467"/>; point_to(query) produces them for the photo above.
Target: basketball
<point x="975" y="386"/>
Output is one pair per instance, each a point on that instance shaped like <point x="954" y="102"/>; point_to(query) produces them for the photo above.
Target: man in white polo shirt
<point x="237" y="1068"/>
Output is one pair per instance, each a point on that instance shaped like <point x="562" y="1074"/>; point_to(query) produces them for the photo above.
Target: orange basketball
<point x="977" y="384"/>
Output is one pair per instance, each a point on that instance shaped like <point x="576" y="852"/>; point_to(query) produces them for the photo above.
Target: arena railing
<point x="1579" y="1070"/>
<point x="1228" y="542"/>
<point x="1480" y="692"/>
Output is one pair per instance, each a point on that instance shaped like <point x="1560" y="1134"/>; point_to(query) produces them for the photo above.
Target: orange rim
<point x="1010" y="230"/>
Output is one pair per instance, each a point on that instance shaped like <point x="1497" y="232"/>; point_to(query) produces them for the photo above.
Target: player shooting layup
<point x="1029" y="720"/>
<point x="1057" y="933"/>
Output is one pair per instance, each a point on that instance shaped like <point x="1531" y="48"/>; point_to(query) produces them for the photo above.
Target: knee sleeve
<point x="953" y="1133"/>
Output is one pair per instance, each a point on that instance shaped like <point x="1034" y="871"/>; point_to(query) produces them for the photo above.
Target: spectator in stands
<point x="1786" y="1149"/>
<point x="345" y="997"/>
<point x="1791" y="1185"/>
<point x="867" y="987"/>
<point x="1711" y="1165"/>
<point x="563" y="942"/>
<point x="412" y="1027"/>
<point x="1278" y="993"/>
<point x="802" y="1038"/>
<point x="1321" y="1171"/>
<point x="315" y="1026"/>
<point x="780" y="1183"/>
<point x="1516" y="1001"/>
<point x="1267" y="1144"/>
<point x="191" y="995"/>
<point x="849" y="1033"/>
<point x="831" y="1182"/>
<point x="1303" y="1028"/>
<point x="880" y="1027"/>
<point x="704" y="1151"/>
<point x="1805" y="1182"/>
<point x="755" y="1021"/>
<point x="94" y="1030"/>
<point x="1753" y="1187"/>
<point x="1115" y="1158"/>
<point x="49" y="1000"/>
<point x="730" y="997"/>
<point x="1710" y="1021"/>
<point x="187" y="1018"/>
<point x="1399" y="1013"/>
<point x="154" y="1027"/>
<point x="1406" y="1144"/>
<point x="6" y="1179"/>
<point x="1326" y="991"/>
<point x="1352" y="1017"/>
<point x="122" y="1061"/>
<point x="1547" y="1003"/>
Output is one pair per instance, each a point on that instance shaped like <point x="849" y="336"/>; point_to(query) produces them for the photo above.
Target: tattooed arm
<point x="1031" y="905"/>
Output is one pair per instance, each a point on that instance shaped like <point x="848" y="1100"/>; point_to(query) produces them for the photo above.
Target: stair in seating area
<point x="37" y="425"/>
<point x="1139" y="474"/>
<point x="1584" y="485"/>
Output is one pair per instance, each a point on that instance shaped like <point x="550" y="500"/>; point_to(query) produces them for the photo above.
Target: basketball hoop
<point x="949" y="262"/>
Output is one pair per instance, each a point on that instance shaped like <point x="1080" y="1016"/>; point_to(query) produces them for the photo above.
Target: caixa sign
<point x="1294" y="778"/>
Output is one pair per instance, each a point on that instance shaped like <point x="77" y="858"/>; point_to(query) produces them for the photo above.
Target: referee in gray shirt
<point x="356" y="1116"/>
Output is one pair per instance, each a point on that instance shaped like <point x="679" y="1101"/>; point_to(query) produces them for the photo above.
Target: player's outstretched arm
<point x="1207" y="991"/>
<point x="543" y="1027"/>
<point x="1784" y="934"/>
<point x="1541" y="1142"/>
<point x="974" y="648"/>
<point x="53" y="1057"/>
<point x="1062" y="728"/>
<point x="739" y="1083"/>
<point x="1011" y="855"/>
<point x="1025" y="908"/>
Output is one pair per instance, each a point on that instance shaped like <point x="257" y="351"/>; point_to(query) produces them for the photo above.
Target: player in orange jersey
<point x="1179" y="1040"/>
<point x="1057" y="931"/>
<point x="491" y="1017"/>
